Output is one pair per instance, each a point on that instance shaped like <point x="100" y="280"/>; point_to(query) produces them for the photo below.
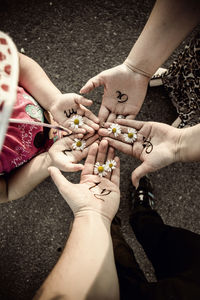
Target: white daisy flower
<point x="78" y="144"/>
<point x="100" y="169"/>
<point x="76" y="121"/>
<point x="110" y="165"/>
<point x="115" y="129"/>
<point x="131" y="136"/>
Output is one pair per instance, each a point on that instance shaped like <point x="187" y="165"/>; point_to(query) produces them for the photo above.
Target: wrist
<point x="92" y="218"/>
<point x="179" y="154"/>
<point x="189" y="144"/>
<point x="47" y="160"/>
<point x="137" y="69"/>
<point x="53" y="99"/>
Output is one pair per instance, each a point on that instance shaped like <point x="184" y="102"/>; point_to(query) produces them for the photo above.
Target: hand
<point x="93" y="194"/>
<point x="124" y="92"/>
<point x="62" y="155"/>
<point x="65" y="106"/>
<point x="156" y="145"/>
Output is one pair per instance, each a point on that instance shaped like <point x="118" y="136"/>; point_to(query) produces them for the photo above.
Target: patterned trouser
<point x="182" y="83"/>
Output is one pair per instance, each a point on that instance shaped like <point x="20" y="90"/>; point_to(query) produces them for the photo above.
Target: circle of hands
<point x="155" y="145"/>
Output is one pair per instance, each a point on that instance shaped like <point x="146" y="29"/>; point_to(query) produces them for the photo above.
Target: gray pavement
<point x="74" y="40"/>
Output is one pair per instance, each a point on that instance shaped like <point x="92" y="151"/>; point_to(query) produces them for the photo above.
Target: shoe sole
<point x="156" y="79"/>
<point x="9" y="73"/>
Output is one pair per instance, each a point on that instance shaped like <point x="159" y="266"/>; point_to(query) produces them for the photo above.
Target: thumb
<point x="64" y="186"/>
<point x="138" y="173"/>
<point x="91" y="84"/>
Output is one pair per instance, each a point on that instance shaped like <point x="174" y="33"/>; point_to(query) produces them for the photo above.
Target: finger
<point x="138" y="173"/>
<point x="130" y="117"/>
<point x="78" y="136"/>
<point x="90" y="160"/>
<point x="131" y="123"/>
<point x="68" y="141"/>
<point x="123" y="136"/>
<point x="138" y="148"/>
<point x="70" y="167"/>
<point x="103" y="114"/>
<point x="103" y="132"/>
<point x="110" y="156"/>
<point x="81" y="100"/>
<point x="72" y="137"/>
<point x="91" y="84"/>
<point x="102" y="152"/>
<point x="87" y="136"/>
<point x="111" y="118"/>
<point x="63" y="185"/>
<point x="71" y="141"/>
<point x="89" y="143"/>
<point x="65" y="161"/>
<point x="88" y="129"/>
<point x="91" y="140"/>
<point x="115" y="178"/>
<point x="89" y="114"/>
<point x="90" y="123"/>
<point x="123" y="147"/>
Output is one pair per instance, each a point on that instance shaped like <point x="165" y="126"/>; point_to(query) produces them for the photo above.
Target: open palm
<point x="124" y="92"/>
<point x="156" y="145"/>
<point x="94" y="193"/>
<point x="64" y="157"/>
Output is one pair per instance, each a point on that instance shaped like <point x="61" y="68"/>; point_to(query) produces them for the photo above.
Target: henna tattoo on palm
<point x="147" y="145"/>
<point x="70" y="112"/>
<point x="66" y="150"/>
<point x="104" y="192"/>
<point x="121" y="97"/>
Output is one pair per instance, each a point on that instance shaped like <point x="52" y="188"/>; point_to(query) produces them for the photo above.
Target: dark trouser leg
<point x="131" y="277"/>
<point x="172" y="251"/>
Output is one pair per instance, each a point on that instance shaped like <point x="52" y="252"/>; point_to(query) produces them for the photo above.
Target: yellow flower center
<point x="130" y="135"/>
<point x="110" y="165"/>
<point x="76" y="121"/>
<point x="79" y="144"/>
<point x="100" y="169"/>
<point x="114" y="130"/>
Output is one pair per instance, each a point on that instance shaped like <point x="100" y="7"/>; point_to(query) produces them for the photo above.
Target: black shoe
<point x="143" y="195"/>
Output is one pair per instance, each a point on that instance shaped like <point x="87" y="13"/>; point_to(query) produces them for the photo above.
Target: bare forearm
<point x="169" y="23"/>
<point x="189" y="145"/>
<point x="26" y="178"/>
<point x="87" y="260"/>
<point x="33" y="78"/>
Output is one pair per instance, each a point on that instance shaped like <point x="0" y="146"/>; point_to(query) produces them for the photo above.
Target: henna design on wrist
<point x="104" y="192"/>
<point x="147" y="144"/>
<point x="121" y="97"/>
<point x="70" y="112"/>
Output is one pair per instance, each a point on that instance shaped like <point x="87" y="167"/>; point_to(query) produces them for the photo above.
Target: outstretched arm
<point x="169" y="23"/>
<point x="125" y="86"/>
<point x="86" y="268"/>
<point x="155" y="144"/>
<point x="24" y="179"/>
<point x="33" y="78"/>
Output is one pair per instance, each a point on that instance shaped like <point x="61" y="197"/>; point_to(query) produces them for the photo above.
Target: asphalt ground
<point x="73" y="41"/>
